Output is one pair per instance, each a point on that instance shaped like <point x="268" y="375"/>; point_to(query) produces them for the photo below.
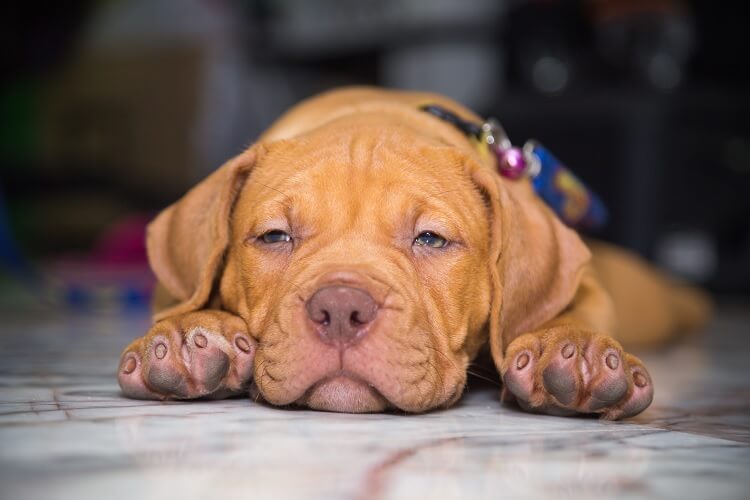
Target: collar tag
<point x="512" y="162"/>
<point x="575" y="204"/>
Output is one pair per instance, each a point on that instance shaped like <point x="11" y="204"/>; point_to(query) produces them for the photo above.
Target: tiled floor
<point x="65" y="432"/>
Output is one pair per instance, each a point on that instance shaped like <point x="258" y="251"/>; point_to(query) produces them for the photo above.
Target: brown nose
<point x="341" y="313"/>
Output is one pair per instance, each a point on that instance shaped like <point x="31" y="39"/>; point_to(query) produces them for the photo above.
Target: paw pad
<point x="522" y="361"/>
<point x="129" y="366"/>
<point x="242" y="344"/>
<point x="160" y="350"/>
<point x="201" y="354"/>
<point x="567" y="372"/>
<point x="612" y="361"/>
<point x="568" y="351"/>
<point x="200" y="340"/>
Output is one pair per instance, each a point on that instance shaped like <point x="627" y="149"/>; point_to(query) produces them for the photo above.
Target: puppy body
<point x="354" y="179"/>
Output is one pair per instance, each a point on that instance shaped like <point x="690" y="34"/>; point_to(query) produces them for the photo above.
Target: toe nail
<point x="242" y="344"/>
<point x="129" y="366"/>
<point x="613" y="361"/>
<point x="200" y="340"/>
<point x="639" y="379"/>
<point x="522" y="361"/>
<point x="160" y="350"/>
<point x="568" y="351"/>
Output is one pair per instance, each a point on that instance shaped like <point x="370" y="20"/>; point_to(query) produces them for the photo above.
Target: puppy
<point x="359" y="256"/>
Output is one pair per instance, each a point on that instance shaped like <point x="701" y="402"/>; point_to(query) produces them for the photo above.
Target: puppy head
<point x="370" y="260"/>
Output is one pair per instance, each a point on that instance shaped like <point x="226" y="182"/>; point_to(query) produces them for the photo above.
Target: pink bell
<point x="511" y="162"/>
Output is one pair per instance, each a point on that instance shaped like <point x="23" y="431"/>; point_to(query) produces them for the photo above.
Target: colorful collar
<point x="572" y="201"/>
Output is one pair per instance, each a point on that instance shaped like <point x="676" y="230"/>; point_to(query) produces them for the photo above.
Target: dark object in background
<point x="545" y="41"/>
<point x="659" y="134"/>
<point x="650" y="40"/>
<point x="675" y="172"/>
<point x="560" y="46"/>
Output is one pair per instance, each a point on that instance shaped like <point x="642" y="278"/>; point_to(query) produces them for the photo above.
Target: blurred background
<point x="110" y="110"/>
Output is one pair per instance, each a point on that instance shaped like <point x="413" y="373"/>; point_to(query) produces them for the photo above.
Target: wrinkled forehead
<point x="368" y="159"/>
<point x="367" y="149"/>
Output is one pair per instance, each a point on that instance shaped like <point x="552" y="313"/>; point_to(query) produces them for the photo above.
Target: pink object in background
<point x="114" y="275"/>
<point x="123" y="243"/>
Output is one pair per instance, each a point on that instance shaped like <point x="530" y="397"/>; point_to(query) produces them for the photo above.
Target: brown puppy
<point x="359" y="256"/>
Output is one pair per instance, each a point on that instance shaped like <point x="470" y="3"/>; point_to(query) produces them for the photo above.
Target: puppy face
<point x="371" y="255"/>
<point x="358" y="255"/>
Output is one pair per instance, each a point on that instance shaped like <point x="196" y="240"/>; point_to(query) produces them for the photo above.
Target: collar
<point x="574" y="203"/>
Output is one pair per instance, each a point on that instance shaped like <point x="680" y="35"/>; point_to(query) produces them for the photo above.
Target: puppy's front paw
<point x="566" y="372"/>
<point x="200" y="354"/>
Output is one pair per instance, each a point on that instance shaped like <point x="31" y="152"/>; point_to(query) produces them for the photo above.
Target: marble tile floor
<point x="67" y="433"/>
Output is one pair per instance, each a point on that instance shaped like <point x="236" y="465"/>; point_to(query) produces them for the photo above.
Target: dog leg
<point x="571" y="366"/>
<point x="195" y="355"/>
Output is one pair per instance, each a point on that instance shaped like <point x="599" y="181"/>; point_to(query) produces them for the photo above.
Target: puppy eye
<point x="430" y="239"/>
<point x="276" y="236"/>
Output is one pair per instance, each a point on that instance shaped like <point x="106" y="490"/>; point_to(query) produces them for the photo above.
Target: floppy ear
<point x="536" y="262"/>
<point x="187" y="241"/>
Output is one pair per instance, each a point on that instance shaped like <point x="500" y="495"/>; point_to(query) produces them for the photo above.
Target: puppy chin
<point x="344" y="394"/>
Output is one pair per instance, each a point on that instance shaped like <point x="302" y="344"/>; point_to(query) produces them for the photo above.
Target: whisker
<point x="483" y="377"/>
<point x="288" y="198"/>
<point x="437" y="373"/>
<point x="444" y="356"/>
<point x="435" y="195"/>
<point x="262" y="369"/>
<point x="483" y="368"/>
